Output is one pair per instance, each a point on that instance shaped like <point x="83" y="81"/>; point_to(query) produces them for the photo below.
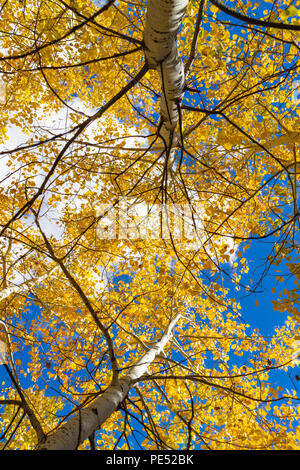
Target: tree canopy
<point x="146" y="148"/>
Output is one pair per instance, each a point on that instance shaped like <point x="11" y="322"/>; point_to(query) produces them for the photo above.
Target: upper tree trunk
<point x="162" y="23"/>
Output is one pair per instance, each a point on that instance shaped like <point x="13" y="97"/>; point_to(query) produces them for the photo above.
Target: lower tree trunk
<point x="90" y="419"/>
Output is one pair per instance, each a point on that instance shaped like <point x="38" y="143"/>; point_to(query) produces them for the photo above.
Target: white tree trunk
<point x="91" y="418"/>
<point x="162" y="23"/>
<point x="25" y="286"/>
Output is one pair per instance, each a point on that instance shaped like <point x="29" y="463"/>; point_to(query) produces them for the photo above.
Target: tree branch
<point x="247" y="19"/>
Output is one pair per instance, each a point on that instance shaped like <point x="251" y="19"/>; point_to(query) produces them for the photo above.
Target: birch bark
<point x="162" y="23"/>
<point x="24" y="287"/>
<point x="91" y="418"/>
